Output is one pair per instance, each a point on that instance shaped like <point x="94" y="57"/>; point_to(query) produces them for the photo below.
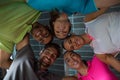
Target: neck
<point x="42" y="68"/>
<point x="87" y="38"/>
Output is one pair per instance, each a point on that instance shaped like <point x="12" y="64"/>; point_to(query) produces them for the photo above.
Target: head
<point x="72" y="59"/>
<point x="73" y="42"/>
<point x="41" y="33"/>
<point x="49" y="54"/>
<point x="60" y="24"/>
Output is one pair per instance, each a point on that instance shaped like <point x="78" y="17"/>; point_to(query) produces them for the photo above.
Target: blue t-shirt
<point x="67" y="6"/>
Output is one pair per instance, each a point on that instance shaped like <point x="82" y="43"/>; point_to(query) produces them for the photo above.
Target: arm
<point x="110" y="60"/>
<point x="94" y="15"/>
<point x="23" y="63"/>
<point x="70" y="78"/>
<point x="22" y="43"/>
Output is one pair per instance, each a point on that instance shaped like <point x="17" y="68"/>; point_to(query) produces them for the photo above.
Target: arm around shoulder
<point x="94" y="15"/>
<point x="110" y="60"/>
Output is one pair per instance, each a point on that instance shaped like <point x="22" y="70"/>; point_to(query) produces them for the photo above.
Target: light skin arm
<point x="22" y="43"/>
<point x="5" y="60"/>
<point x="94" y="15"/>
<point x="110" y="60"/>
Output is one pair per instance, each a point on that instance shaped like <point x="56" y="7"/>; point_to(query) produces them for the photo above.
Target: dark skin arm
<point x="70" y="78"/>
<point x="94" y="15"/>
<point x="110" y="60"/>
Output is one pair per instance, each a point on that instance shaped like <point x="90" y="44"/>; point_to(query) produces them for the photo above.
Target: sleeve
<point x="6" y="45"/>
<point x="80" y="6"/>
<point x="23" y="66"/>
<point x="88" y="6"/>
<point x="67" y="6"/>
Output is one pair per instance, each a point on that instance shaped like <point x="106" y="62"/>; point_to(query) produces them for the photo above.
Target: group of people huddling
<point x="19" y="21"/>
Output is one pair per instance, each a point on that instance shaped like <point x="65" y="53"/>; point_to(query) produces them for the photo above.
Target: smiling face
<point x="72" y="59"/>
<point x="47" y="57"/>
<point x="41" y="33"/>
<point x="61" y="26"/>
<point x="73" y="42"/>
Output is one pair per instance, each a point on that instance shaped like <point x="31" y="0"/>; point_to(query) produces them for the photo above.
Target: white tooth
<point x="75" y="63"/>
<point x="38" y="33"/>
<point x="78" y="42"/>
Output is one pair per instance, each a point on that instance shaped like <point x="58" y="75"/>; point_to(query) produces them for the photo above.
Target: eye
<point x="40" y="40"/>
<point x="67" y="60"/>
<point x="47" y="52"/>
<point x="72" y="55"/>
<point x="46" y="35"/>
<point x="69" y="41"/>
<point x="53" y="56"/>
<point x="71" y="47"/>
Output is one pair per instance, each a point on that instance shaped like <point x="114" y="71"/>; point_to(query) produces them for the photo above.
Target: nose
<point x="41" y="36"/>
<point x="71" y="62"/>
<point x="49" y="56"/>
<point x="62" y="27"/>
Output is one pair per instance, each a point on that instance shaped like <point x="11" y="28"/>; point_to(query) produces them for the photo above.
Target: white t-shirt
<point x="105" y="30"/>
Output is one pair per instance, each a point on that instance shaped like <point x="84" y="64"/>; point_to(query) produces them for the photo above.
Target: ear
<point x="53" y="23"/>
<point x="41" y="52"/>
